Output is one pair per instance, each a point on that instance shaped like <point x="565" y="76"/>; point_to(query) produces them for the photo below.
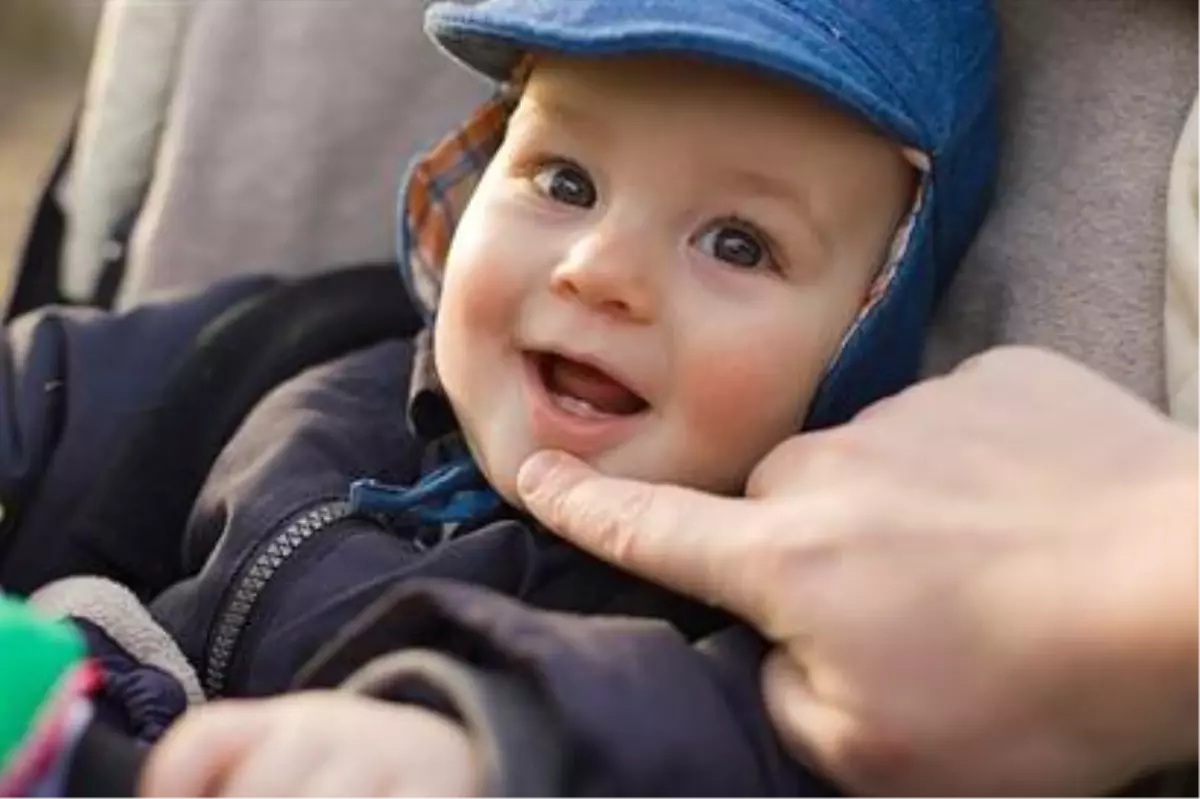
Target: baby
<point x="657" y="267"/>
<point x="683" y="231"/>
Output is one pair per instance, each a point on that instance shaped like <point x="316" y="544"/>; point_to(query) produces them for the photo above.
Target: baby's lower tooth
<point x="578" y="407"/>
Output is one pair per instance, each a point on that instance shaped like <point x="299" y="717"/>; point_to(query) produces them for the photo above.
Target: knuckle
<point x="871" y="763"/>
<point x="1007" y="359"/>
<point x="779" y="462"/>
<point x="813" y="458"/>
<point x="849" y="448"/>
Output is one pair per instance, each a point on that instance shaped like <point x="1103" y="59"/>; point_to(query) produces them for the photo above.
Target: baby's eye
<point x="733" y="243"/>
<point x="567" y="183"/>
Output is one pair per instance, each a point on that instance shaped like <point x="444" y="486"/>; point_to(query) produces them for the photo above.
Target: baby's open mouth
<point x="585" y="390"/>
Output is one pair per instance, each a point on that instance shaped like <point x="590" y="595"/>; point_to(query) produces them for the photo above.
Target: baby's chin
<point x="503" y="477"/>
<point x="502" y="473"/>
<point x="501" y="467"/>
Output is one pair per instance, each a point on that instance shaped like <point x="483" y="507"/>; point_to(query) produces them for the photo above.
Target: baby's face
<point x="657" y="267"/>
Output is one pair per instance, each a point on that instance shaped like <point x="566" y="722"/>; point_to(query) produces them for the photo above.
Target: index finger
<point x="697" y="544"/>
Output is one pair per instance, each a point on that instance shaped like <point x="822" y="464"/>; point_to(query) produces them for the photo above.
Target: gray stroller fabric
<point x="285" y="135"/>
<point x="1074" y="255"/>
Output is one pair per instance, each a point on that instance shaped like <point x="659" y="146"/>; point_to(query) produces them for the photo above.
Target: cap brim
<point x="493" y="36"/>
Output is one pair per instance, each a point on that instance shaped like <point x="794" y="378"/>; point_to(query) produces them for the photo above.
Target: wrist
<point x="1170" y="600"/>
<point x="1187" y="517"/>
<point x="1147" y="613"/>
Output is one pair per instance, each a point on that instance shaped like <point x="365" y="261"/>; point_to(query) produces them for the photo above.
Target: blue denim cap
<point x="923" y="72"/>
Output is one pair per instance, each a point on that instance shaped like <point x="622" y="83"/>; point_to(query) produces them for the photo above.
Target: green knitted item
<point x="36" y="656"/>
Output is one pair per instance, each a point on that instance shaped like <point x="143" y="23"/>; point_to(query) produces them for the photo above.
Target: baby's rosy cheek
<point x="743" y="394"/>
<point x="480" y="294"/>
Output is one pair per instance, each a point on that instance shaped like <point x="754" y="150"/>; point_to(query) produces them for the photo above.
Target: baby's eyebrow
<point x="557" y="110"/>
<point x="756" y="183"/>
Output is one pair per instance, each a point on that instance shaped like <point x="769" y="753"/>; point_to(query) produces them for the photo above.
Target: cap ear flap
<point x="439" y="185"/>
<point x="435" y="193"/>
<point x="900" y="256"/>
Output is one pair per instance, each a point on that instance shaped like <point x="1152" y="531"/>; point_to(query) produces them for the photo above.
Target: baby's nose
<point x="610" y="279"/>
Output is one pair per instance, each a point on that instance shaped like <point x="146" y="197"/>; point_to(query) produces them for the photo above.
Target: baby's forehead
<point x="677" y="94"/>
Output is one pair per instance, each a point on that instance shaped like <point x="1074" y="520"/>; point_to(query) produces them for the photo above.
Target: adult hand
<point x="313" y="744"/>
<point x="984" y="584"/>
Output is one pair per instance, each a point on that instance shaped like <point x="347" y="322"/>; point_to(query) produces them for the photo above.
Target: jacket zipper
<point x="248" y="589"/>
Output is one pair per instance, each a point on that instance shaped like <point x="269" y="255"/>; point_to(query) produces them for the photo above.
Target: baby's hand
<point x="313" y="744"/>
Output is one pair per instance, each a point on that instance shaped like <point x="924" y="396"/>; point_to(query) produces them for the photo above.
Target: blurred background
<point x="45" y="46"/>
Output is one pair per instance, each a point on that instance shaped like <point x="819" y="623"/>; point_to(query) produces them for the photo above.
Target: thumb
<point x="698" y="544"/>
<point x="831" y="739"/>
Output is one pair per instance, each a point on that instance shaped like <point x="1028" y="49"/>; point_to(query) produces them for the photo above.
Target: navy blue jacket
<point x="581" y="679"/>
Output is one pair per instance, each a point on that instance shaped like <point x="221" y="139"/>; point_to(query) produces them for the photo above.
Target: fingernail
<point x="534" y="471"/>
